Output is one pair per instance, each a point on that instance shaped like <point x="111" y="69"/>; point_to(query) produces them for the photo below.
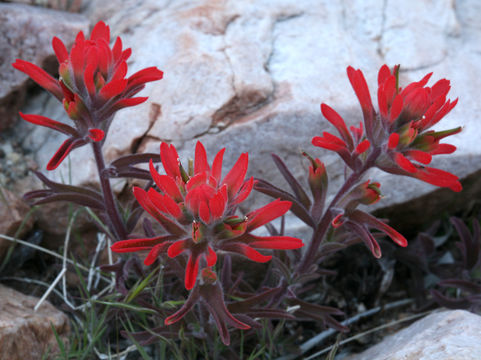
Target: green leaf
<point x="125" y="306"/>
<point x="138" y="289"/>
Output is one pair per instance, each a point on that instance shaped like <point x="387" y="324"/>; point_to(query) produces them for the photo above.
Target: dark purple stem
<point x="113" y="214"/>
<point x="323" y="225"/>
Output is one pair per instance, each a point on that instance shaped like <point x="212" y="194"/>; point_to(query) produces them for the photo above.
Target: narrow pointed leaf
<point x="297" y="208"/>
<point x="293" y="183"/>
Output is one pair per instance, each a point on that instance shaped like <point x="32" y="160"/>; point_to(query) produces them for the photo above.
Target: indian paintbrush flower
<point x="92" y="87"/>
<point x="400" y="132"/>
<point x="407" y="115"/>
<point x="198" y="211"/>
<point x="197" y="207"/>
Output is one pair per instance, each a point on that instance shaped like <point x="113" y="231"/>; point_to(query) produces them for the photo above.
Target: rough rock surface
<point x="250" y="76"/>
<point x="447" y="335"/>
<point x="66" y="5"/>
<point x="24" y="333"/>
<point x="13" y="218"/>
<point x="27" y="33"/>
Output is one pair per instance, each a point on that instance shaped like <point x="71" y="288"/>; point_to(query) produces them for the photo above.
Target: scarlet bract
<point x="198" y="211"/>
<point x="400" y="132"/>
<point x="92" y="87"/>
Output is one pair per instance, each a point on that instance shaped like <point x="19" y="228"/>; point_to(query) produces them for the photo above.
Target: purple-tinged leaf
<point x="297" y="208"/>
<point x="131" y="172"/>
<point x="242" y="306"/>
<point x="470" y="244"/>
<point x="319" y="313"/>
<point x="148" y="228"/>
<point x="331" y="248"/>
<point x="57" y="187"/>
<point x="450" y="303"/>
<point x="464" y="285"/>
<point x="226" y="274"/>
<point x="134" y="159"/>
<point x="79" y="199"/>
<point x="293" y="183"/>
<point x="249" y="321"/>
<point x="269" y="313"/>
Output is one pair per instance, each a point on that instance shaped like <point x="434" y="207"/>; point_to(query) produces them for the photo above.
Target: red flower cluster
<point x="400" y="132"/>
<point x="407" y="114"/>
<point x="92" y="87"/>
<point x="197" y="209"/>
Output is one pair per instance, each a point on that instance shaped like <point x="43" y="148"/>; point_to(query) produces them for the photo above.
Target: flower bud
<point x="208" y="276"/>
<point x="317" y="176"/>
<point x="365" y="193"/>
<point x="370" y="193"/>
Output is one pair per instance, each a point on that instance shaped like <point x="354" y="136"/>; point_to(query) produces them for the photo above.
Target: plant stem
<point x="113" y="214"/>
<point x="323" y="225"/>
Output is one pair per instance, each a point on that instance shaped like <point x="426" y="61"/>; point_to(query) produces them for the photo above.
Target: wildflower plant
<point x="204" y="238"/>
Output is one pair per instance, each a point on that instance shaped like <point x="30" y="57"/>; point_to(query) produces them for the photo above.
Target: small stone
<point x="7" y="148"/>
<point x="25" y="333"/>
<point x="14" y="157"/>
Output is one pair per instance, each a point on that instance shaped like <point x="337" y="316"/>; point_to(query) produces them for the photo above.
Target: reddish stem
<point x="323" y="225"/>
<point x="116" y="223"/>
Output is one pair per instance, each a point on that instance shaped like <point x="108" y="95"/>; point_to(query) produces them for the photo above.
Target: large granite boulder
<point x="250" y="76"/>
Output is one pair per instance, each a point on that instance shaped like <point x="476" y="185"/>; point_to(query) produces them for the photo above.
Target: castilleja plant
<point x="197" y="209"/>
<point x="397" y="139"/>
<point x="203" y="231"/>
<point x="92" y="87"/>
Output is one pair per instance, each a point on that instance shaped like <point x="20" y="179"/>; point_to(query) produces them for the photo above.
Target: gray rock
<point x="447" y="335"/>
<point x="250" y="76"/>
<point x="65" y="5"/>
<point x="27" y="33"/>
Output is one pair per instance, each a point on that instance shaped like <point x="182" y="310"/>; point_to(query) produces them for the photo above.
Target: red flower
<point x="198" y="208"/>
<point x="407" y="114"/>
<point x="400" y="132"/>
<point x="92" y="87"/>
